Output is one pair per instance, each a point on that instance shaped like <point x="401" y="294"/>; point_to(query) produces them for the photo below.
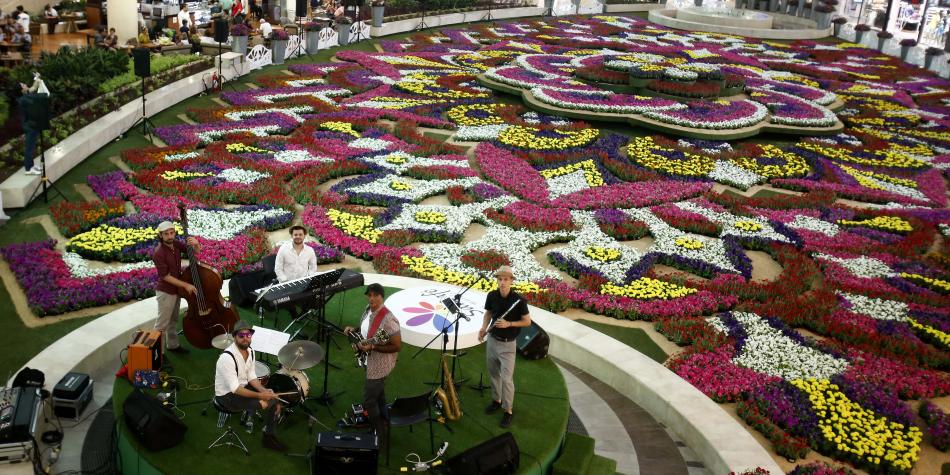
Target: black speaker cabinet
<point x="301" y="8"/>
<point x="155" y="427"/>
<point x="533" y="342"/>
<point x="243" y="284"/>
<point x="496" y="456"/>
<point x="142" y="58"/>
<point x="221" y="30"/>
<point x="343" y="453"/>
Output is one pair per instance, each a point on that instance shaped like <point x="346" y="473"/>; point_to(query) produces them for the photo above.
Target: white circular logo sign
<point x="422" y="315"/>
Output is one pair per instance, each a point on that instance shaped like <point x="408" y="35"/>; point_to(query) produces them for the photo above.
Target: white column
<point x="124" y="17"/>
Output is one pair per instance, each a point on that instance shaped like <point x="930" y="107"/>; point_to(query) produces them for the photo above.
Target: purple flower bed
<point x="112" y="185"/>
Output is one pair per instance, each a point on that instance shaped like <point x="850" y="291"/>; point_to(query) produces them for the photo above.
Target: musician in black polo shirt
<point x="505" y="313"/>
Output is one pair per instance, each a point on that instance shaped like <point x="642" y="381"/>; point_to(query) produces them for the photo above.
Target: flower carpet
<point x="405" y="158"/>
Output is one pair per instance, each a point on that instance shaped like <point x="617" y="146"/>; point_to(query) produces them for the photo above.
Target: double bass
<point x="208" y="315"/>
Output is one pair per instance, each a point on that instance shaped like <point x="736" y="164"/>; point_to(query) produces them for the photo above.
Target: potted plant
<point x="823" y="16"/>
<point x="379" y="7"/>
<point x="838" y="22"/>
<point x="313" y="35"/>
<point x="342" y="26"/>
<point x="930" y="54"/>
<point x="859" y="31"/>
<point x="882" y="37"/>
<point x="239" y="34"/>
<point x="906" y="45"/>
<point x="278" y="45"/>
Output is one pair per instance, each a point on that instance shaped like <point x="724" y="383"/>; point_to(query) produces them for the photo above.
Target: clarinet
<point x="492" y="326"/>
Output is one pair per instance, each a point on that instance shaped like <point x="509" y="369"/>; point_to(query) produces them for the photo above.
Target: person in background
<point x="99" y="39"/>
<point x="184" y="32"/>
<point x="143" y="36"/>
<point x="24" y="38"/>
<point x="183" y="16"/>
<point x="265" y="28"/>
<point x="52" y="18"/>
<point x="22" y="18"/>
<point x="256" y="9"/>
<point x="111" y="40"/>
<point x="215" y="9"/>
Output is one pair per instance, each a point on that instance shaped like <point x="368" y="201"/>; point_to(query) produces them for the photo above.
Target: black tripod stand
<point x="359" y="26"/>
<point x="488" y="16"/>
<point x="147" y="126"/>
<point x="45" y="182"/>
<point x="422" y="24"/>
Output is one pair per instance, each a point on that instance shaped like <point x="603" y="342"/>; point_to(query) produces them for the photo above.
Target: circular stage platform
<point x="541" y="408"/>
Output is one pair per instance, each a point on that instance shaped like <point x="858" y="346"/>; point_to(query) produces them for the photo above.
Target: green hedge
<point x="4" y="110"/>
<point x="158" y="64"/>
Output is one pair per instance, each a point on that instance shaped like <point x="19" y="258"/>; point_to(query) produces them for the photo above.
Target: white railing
<point x="260" y="55"/>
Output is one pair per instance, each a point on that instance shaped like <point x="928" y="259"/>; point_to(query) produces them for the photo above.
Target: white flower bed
<point x="296" y="156"/>
<point x="862" y="266"/>
<point x="240" y="175"/>
<point x="665" y="236"/>
<point x="262" y="131"/>
<point x="567" y="183"/>
<point x="221" y="224"/>
<point x="768" y="351"/>
<point x="79" y="267"/>
<point x="589" y="236"/>
<point x="478" y="133"/>
<point x="728" y="221"/>
<point x="305" y="82"/>
<point x="399" y="161"/>
<point x="181" y="156"/>
<point x="370" y="144"/>
<point x="516" y="244"/>
<point x="419" y="190"/>
<point x="457" y="219"/>
<point x="292" y="112"/>
<point x="878" y="309"/>
<point x="729" y="173"/>
<point x="814" y="224"/>
<point x="757" y="116"/>
<point x="324" y="96"/>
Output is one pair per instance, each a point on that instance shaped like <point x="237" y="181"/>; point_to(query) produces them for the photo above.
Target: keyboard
<point x="296" y="291"/>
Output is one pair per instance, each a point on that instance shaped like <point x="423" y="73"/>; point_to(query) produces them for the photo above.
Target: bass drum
<point x="294" y="383"/>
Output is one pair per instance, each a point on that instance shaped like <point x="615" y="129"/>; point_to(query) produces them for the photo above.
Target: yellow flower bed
<point x="110" y="239"/>
<point x="689" y="243"/>
<point x="858" y="432"/>
<point x="459" y="115"/>
<point x="896" y="158"/>
<point x="354" y="224"/>
<point x="795" y="165"/>
<point x="527" y="138"/>
<point x="432" y="271"/>
<point x="602" y="254"/>
<point x="425" y="85"/>
<point x="243" y="148"/>
<point x="647" y="288"/>
<point x="750" y="226"/>
<point x="397" y="103"/>
<point x="937" y="283"/>
<point x="342" y="127"/>
<point x="867" y="179"/>
<point x="396" y="159"/>
<point x="886" y="223"/>
<point x="400" y="185"/>
<point x="172" y="175"/>
<point x="430" y="217"/>
<point x="942" y="337"/>
<point x="644" y="151"/>
<point x="591" y="174"/>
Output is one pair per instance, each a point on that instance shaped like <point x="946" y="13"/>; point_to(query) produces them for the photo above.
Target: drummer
<point x="236" y="387"/>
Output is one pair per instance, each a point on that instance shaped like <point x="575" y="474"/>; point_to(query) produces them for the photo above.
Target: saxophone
<point x="448" y="397"/>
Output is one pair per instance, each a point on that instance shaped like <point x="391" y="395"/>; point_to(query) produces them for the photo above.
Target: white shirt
<point x="51" y="12"/>
<point x="266" y="29"/>
<point x="24" y="20"/>
<point x="226" y="379"/>
<point x="183" y="15"/>
<point x="290" y="265"/>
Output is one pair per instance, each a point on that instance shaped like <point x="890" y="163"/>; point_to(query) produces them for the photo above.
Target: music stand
<point x="320" y="284"/>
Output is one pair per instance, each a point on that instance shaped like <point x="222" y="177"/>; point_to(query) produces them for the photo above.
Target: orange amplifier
<point x="146" y="351"/>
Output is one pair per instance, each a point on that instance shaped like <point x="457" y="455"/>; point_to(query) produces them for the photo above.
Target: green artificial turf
<point x="541" y="407"/>
<point x="633" y="337"/>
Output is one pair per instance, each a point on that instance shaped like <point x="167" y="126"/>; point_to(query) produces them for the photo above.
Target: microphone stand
<point x="260" y="308"/>
<point x="455" y="307"/>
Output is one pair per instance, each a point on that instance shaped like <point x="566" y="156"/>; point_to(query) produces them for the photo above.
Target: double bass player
<point x="167" y="258"/>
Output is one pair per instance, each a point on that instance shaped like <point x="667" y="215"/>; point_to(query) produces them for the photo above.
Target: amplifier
<point x="146" y="352"/>
<point x="71" y="395"/>
<point x="19" y="413"/>
<point x="15" y="452"/>
<point x="342" y="453"/>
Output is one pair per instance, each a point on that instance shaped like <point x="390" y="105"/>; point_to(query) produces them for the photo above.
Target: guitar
<point x="356" y="339"/>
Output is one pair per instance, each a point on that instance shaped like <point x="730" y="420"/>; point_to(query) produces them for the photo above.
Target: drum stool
<point x="228" y="437"/>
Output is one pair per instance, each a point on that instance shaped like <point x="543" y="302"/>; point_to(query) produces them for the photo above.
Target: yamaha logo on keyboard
<point x="282" y="300"/>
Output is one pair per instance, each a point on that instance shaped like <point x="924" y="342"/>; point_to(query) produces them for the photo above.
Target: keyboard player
<point x="295" y="260"/>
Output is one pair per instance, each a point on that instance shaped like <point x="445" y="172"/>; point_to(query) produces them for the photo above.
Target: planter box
<point x="378" y="11"/>
<point x="239" y="45"/>
<point x="279" y="50"/>
<point x="313" y="41"/>
<point x="343" y="33"/>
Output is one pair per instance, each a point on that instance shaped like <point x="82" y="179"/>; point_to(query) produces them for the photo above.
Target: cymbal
<point x="222" y="341"/>
<point x="300" y="354"/>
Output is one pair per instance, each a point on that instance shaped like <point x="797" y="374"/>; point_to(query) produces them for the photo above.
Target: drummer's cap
<point x="242" y="325"/>
<point x="165" y="226"/>
<point x="505" y="270"/>
<point x="374" y="289"/>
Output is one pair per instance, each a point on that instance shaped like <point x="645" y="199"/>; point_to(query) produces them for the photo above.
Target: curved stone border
<point x="638" y="120"/>
<point x="808" y="31"/>
<point x="402" y="26"/>
<point x="721" y="442"/>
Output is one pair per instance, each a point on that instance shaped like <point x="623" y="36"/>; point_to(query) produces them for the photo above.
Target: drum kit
<point x="290" y="382"/>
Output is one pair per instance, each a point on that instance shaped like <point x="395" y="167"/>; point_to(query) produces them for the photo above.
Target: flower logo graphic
<point x="428" y="312"/>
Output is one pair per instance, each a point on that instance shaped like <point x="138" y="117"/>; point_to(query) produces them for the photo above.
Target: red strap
<point x="377" y="321"/>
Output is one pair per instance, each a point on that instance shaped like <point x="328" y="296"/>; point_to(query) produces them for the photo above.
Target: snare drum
<point x="290" y="381"/>
<point x="263" y="372"/>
